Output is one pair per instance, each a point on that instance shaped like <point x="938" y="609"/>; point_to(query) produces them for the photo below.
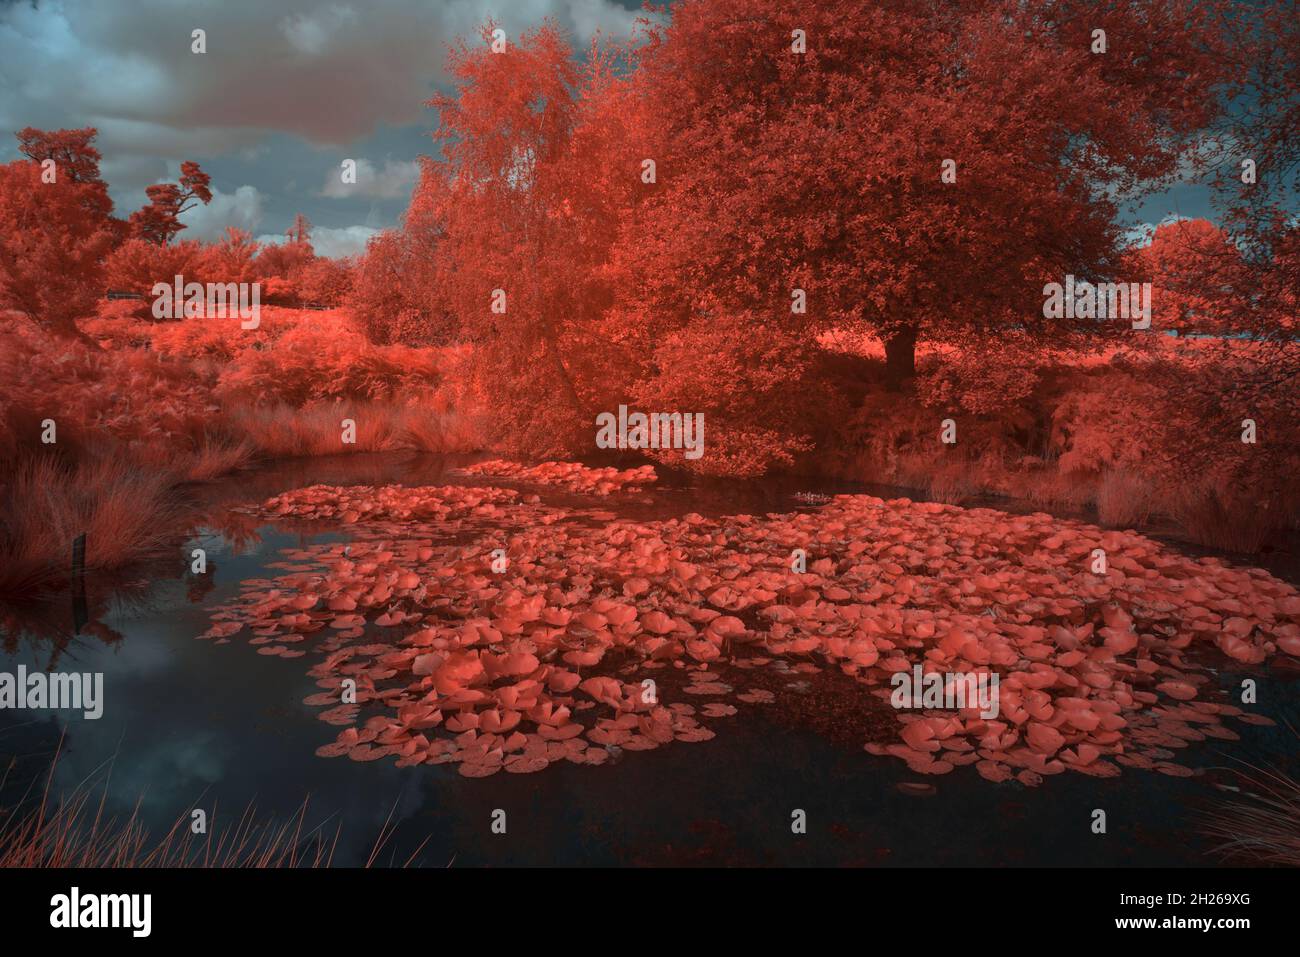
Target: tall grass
<point x="1263" y="825"/>
<point x="215" y="457"/>
<point x="433" y="429"/>
<point x="1124" y="499"/>
<point x="282" y="431"/>
<point x="73" y="831"/>
<point x="1214" y="516"/>
<point x="951" y="484"/>
<point x="126" y="513"/>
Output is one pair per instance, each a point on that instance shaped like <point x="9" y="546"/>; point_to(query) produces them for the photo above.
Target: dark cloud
<point x="286" y="90"/>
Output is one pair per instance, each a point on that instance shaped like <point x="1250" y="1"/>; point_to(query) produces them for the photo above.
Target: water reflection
<point x="189" y="724"/>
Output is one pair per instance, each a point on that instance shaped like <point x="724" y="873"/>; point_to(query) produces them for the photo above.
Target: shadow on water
<point x="186" y="721"/>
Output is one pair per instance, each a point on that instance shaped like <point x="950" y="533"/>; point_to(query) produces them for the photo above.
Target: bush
<point x="137" y="265"/>
<point x="327" y="361"/>
<point x="395" y="296"/>
<point x="129" y="397"/>
<point x="1124" y="499"/>
<point x="327" y="282"/>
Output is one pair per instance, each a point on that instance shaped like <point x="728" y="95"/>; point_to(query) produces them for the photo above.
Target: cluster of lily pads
<point x="481" y="627"/>
<point x="573" y="476"/>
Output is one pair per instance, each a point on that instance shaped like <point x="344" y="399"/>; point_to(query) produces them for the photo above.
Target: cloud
<point x="312" y="33"/>
<point x="329" y="242"/>
<point x="329" y="74"/>
<point x="241" y="209"/>
<point x="284" y="87"/>
<point x="394" y="180"/>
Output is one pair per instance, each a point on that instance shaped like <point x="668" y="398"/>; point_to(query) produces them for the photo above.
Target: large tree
<point x="55" y="229"/>
<point x="515" y="214"/>
<point x="823" y="169"/>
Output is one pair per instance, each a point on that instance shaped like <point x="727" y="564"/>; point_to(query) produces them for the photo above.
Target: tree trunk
<point x="900" y="357"/>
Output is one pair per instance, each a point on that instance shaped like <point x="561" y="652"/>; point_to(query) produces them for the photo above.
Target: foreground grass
<point x="72" y="831"/>
<point x="1262" y="825"/>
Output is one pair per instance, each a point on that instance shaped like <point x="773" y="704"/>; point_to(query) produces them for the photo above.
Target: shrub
<point x="327" y="282"/>
<point x="395" y="296"/>
<point x="313" y="362"/>
<point x="137" y="265"/>
<point x="96" y="397"/>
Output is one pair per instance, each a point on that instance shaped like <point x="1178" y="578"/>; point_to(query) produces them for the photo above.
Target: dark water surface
<point x="194" y="724"/>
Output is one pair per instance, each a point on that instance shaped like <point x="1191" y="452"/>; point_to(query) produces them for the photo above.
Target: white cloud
<point x="312" y="33"/>
<point x="394" y="180"/>
<point x="241" y="209"/>
<point x="329" y="242"/>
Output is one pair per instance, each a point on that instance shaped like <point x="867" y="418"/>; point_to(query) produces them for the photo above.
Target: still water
<point x="195" y="724"/>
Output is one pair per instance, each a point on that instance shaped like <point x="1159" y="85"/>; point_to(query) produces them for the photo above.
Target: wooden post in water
<point x="79" y="613"/>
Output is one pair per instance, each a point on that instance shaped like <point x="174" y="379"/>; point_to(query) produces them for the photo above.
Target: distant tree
<point x="159" y="221"/>
<point x="282" y="266"/>
<point x="396" y="295"/>
<point x="232" y="259"/>
<point x="137" y="264"/>
<point x="285" y="260"/>
<point x="1195" y="272"/>
<point x="300" y="231"/>
<point x="327" y="282"/>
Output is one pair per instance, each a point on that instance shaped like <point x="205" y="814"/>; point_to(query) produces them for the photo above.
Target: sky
<point x="287" y="90"/>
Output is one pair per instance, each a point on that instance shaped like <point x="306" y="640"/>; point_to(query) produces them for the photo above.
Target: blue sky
<point x="286" y="91"/>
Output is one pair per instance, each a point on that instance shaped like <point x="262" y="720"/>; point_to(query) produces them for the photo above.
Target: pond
<point x="219" y="726"/>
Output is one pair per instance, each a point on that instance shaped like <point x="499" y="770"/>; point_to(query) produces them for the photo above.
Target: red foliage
<point x="95" y="397"/>
<point x="396" y="295"/>
<point x="51" y="249"/>
<point x="136" y="265"/>
<point x="281" y="268"/>
<point x="1196" y="274"/>
<point x="160" y="220"/>
<point x="516" y="222"/>
<point x="76" y="159"/>
<point x="326" y="282"/>
<point x="834" y="185"/>
<point x="232" y="259"/>
<point x="320" y="358"/>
